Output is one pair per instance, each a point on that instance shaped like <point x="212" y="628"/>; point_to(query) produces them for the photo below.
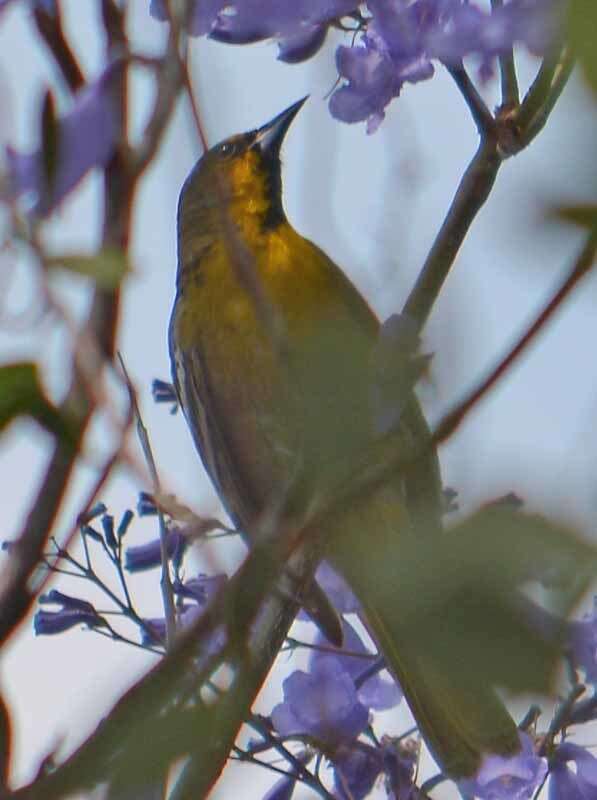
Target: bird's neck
<point x="241" y="231"/>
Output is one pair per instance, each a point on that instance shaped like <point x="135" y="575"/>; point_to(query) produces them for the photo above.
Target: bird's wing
<point x="192" y="383"/>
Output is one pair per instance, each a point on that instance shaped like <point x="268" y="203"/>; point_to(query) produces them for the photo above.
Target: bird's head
<point x="237" y="181"/>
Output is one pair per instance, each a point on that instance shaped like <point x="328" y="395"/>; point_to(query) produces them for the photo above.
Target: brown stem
<point x="472" y="192"/>
<point x="51" y="31"/>
<point x="508" y="79"/>
<point x="165" y="582"/>
<point x="481" y="114"/>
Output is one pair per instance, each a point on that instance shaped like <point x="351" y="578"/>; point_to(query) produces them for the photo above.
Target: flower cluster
<point x="397" y="41"/>
<point x="514" y="778"/>
<point x="192" y="596"/>
<point x="331" y="703"/>
<point x="393" y="42"/>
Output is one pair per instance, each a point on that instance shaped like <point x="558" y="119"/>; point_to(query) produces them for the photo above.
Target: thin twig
<point x="540" y="88"/>
<point x="472" y="192"/>
<point x="178" y="33"/>
<point x="246" y="757"/>
<point x="561" y="718"/>
<point x="16" y="596"/>
<point x="169" y="80"/>
<point x="432" y="782"/>
<point x="92" y="496"/>
<point x="49" y="26"/>
<point x="301" y="770"/>
<point x="514" y="130"/>
<point x="561" y="76"/>
<point x="508" y="79"/>
<point x="165" y="582"/>
<point x="118" y="637"/>
<point x="481" y="114"/>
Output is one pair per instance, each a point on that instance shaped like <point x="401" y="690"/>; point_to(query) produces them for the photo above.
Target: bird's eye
<point x="227" y="149"/>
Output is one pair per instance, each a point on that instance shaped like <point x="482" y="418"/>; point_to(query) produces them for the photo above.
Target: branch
<point x="50" y="29"/>
<point x="169" y="84"/>
<point x="511" y="132"/>
<point x="481" y="114"/>
<point x="471" y="194"/>
<point x="16" y="594"/>
<point x="165" y="582"/>
<point x="211" y="730"/>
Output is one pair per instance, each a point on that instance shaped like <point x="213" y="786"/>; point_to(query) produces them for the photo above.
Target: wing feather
<point x="192" y="382"/>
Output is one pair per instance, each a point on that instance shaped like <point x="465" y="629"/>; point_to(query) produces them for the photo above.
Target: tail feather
<point x="460" y="723"/>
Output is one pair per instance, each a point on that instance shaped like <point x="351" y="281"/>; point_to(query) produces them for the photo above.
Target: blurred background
<point x="374" y="203"/>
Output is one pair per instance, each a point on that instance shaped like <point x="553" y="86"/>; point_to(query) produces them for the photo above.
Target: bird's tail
<point x="459" y="722"/>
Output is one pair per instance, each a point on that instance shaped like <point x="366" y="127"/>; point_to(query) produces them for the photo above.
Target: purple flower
<point x="49" y="6"/>
<point x="322" y="703"/>
<point x="300" y="27"/>
<point x="338" y="591"/>
<point x="124" y="523"/>
<point x="74" y="611"/>
<point x="86" y="137"/>
<point x="403" y="39"/>
<point x="47" y="623"/>
<point x="108" y="526"/>
<point x="300" y="46"/>
<point x="400" y="761"/>
<point x="371" y="82"/>
<point x="95" y="511"/>
<point x="209" y="645"/>
<point x="564" y="784"/>
<point x="201" y="589"/>
<point x="164" y="392"/>
<point x="374" y="692"/>
<point x="146" y="506"/>
<point x="583" y="643"/>
<point x="71" y="603"/>
<point x="513" y="778"/>
<point x="399" y="42"/>
<point x="148" y="556"/>
<point x="357" y="766"/>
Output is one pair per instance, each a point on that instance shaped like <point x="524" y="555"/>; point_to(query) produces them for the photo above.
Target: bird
<point x="273" y="360"/>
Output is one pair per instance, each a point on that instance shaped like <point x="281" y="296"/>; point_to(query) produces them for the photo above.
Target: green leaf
<point x="582" y="29"/>
<point x="460" y="600"/>
<point x="107" y="268"/>
<point x="21" y="394"/>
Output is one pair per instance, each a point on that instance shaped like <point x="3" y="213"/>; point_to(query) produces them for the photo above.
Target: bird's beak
<point x="270" y="136"/>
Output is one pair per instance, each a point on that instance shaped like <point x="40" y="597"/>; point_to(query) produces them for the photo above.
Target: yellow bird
<point x="272" y="354"/>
